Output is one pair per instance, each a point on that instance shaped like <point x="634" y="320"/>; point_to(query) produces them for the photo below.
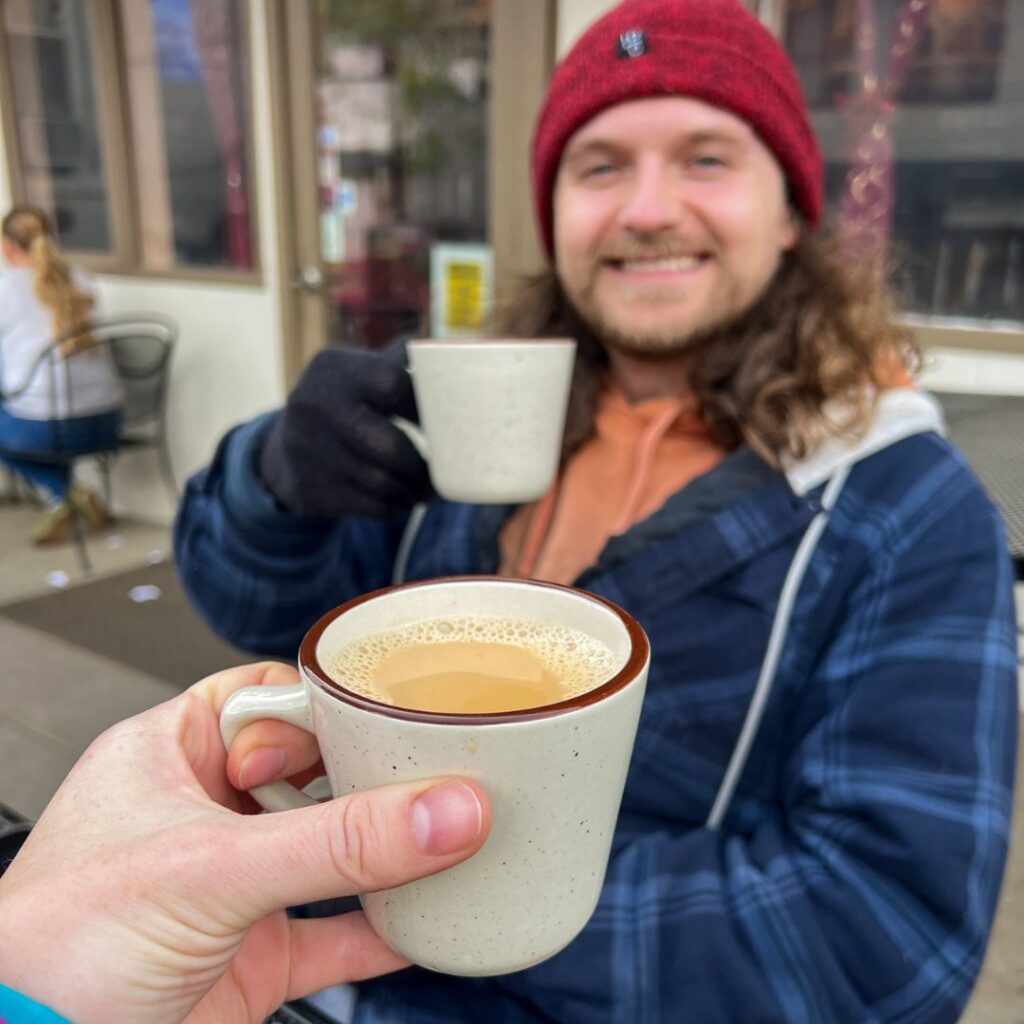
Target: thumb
<point x="359" y="843"/>
<point x="387" y="383"/>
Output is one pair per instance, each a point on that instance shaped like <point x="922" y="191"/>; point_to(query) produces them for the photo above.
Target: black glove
<point x="333" y="450"/>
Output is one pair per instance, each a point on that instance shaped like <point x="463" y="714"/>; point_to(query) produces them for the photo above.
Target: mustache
<point x="673" y="249"/>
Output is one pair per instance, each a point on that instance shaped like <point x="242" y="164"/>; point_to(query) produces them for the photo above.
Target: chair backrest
<point x="140" y="347"/>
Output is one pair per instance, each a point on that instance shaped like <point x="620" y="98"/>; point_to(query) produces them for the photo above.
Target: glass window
<point x="919" y="105"/>
<point x="107" y="91"/>
<point x="402" y="93"/>
<point x="55" y="119"/>
<point x="187" y="107"/>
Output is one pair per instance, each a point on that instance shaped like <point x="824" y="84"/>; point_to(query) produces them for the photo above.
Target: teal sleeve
<point x="18" y="1009"/>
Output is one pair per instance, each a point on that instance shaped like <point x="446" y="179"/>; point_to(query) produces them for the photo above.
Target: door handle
<point x="310" y="279"/>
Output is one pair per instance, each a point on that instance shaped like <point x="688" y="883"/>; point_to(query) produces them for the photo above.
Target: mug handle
<point x="415" y="434"/>
<point x="285" y="704"/>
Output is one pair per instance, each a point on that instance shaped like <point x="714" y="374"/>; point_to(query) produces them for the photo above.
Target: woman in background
<point x="41" y="298"/>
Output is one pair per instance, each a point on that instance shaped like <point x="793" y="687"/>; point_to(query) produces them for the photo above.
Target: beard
<point x="725" y="318"/>
<point x="661" y="319"/>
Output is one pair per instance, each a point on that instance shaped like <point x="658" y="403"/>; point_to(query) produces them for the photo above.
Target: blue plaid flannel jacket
<point x="857" y="871"/>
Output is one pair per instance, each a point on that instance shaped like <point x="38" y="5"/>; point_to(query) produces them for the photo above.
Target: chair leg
<point x="168" y="470"/>
<point x="104" y="461"/>
<point x="12" y="487"/>
<point x="78" y="534"/>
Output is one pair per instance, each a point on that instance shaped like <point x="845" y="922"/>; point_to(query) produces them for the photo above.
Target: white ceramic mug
<point x="554" y="774"/>
<point x="492" y="414"/>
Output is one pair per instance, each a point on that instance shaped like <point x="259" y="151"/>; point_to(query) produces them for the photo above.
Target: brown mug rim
<point x="310" y="665"/>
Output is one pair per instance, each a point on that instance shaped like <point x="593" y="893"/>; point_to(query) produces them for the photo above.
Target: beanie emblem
<point x="632" y="44"/>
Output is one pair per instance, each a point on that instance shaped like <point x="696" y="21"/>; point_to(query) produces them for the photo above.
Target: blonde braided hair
<point x="28" y="228"/>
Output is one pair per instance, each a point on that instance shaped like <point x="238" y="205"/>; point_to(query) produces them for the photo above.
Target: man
<point x="816" y="817"/>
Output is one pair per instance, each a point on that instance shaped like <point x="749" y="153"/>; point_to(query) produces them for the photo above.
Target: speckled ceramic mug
<point x="491" y="414"/>
<point x="554" y="774"/>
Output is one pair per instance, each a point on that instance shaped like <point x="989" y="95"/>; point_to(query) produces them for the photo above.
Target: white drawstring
<point x="412" y="528"/>
<point x="776" y="639"/>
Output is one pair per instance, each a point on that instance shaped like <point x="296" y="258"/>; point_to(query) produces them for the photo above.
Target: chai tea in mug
<point x="483" y="655"/>
<point x="471" y="664"/>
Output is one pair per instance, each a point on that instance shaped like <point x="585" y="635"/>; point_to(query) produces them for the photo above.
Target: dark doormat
<point x="157" y="632"/>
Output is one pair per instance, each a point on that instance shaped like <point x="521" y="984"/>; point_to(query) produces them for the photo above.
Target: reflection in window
<point x="55" y="116"/>
<point x="919" y="105"/>
<point x="402" y="114"/>
<point x="187" y="104"/>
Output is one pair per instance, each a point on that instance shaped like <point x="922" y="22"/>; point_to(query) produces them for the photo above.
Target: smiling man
<point x="671" y="218"/>
<point x="816" y="817"/>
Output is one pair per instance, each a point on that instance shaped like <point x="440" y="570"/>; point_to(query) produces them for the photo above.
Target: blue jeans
<point x="20" y="439"/>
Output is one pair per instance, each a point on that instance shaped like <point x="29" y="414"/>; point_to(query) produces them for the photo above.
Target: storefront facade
<point x="277" y="176"/>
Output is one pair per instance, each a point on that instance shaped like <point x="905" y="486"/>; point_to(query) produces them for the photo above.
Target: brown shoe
<point x="89" y="506"/>
<point x="55" y="527"/>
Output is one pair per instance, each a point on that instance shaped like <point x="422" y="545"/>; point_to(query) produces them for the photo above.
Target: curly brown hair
<point x="795" y="368"/>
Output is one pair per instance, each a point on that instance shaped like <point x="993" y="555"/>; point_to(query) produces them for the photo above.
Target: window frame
<point x="931" y="331"/>
<point x="106" y="103"/>
<point x="124" y="259"/>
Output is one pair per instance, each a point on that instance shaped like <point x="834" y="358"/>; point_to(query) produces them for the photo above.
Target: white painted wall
<point x="969" y="371"/>
<point x="226" y="368"/>
<point x="5" y="181"/>
<point x="574" y="16"/>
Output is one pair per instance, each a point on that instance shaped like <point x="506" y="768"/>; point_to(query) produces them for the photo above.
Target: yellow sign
<point x="464" y="294"/>
<point x="461" y="287"/>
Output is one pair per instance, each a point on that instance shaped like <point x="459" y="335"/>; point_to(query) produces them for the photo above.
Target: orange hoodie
<point x="656" y="447"/>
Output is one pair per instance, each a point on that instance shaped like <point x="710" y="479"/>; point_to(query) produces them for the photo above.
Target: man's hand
<point x="333" y="450"/>
<point x="144" y="895"/>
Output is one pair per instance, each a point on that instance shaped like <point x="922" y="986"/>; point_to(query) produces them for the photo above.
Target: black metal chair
<point x="140" y="348"/>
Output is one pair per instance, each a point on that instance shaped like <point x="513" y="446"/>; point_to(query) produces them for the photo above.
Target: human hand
<point x="333" y="450"/>
<point x="143" y="895"/>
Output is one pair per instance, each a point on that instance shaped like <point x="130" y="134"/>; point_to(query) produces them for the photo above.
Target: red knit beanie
<point x="711" y="50"/>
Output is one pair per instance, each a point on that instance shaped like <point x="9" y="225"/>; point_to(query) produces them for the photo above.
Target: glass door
<point x="401" y="99"/>
<point x="397" y="198"/>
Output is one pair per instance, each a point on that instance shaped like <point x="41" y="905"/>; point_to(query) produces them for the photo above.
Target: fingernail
<point x="261" y="766"/>
<point x="446" y="819"/>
